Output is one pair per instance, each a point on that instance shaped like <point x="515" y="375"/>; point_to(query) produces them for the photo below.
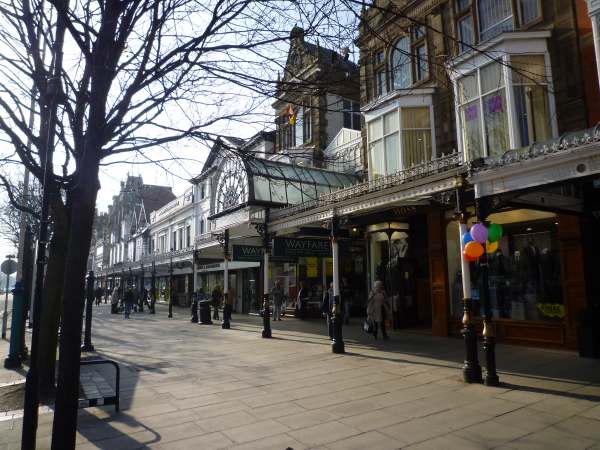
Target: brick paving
<point x="187" y="386"/>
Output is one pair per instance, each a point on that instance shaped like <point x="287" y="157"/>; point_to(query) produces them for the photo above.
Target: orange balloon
<point x="474" y="249"/>
<point x="468" y="258"/>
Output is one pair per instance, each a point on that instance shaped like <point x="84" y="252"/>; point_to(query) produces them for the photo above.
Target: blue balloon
<point x="466" y="238"/>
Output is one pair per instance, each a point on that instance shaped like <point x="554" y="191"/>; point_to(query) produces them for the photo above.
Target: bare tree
<point x="113" y="77"/>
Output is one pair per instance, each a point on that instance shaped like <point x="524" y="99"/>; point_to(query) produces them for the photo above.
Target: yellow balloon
<point x="491" y="247"/>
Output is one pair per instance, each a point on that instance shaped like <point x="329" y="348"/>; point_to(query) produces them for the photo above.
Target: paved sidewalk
<point x="189" y="386"/>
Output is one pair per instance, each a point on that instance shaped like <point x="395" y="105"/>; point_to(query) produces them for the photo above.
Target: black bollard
<point x="471" y="368"/>
<point x="204" y="307"/>
<point x="87" y="339"/>
<point x="194" y="318"/>
<point x="266" y="332"/>
<point x="337" y="342"/>
<point x="226" y="325"/>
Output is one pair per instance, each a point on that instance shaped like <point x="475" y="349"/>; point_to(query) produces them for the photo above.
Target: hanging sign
<point x="288" y="247"/>
<point x="250" y="253"/>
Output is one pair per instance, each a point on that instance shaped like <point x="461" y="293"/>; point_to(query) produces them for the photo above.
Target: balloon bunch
<point x="477" y="237"/>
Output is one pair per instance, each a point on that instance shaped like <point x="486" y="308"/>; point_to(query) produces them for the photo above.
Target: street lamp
<point x="7" y="272"/>
<point x="171" y="284"/>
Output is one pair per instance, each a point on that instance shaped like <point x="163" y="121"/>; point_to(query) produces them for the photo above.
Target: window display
<point x="524" y="272"/>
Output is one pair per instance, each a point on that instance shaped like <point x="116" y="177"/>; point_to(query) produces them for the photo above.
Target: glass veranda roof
<point x="245" y="181"/>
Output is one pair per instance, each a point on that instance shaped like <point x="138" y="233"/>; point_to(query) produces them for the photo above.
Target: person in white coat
<point x="379" y="308"/>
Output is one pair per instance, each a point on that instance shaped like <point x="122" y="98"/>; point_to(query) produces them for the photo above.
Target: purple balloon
<point x="466" y="238"/>
<point x="479" y="233"/>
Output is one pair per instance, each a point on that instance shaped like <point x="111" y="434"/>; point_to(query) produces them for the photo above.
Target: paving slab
<point x="187" y="386"/>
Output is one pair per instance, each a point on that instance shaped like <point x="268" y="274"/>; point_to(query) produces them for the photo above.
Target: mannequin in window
<point x="531" y="266"/>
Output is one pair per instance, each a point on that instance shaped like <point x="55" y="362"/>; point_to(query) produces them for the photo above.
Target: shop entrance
<point x="398" y="253"/>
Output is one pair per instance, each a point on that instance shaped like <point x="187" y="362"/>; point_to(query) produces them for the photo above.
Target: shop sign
<point x="552" y="310"/>
<point x="288" y="247"/>
<point x="250" y="253"/>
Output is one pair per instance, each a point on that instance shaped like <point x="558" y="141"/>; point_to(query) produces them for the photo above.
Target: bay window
<point x="398" y="140"/>
<point x="493" y="100"/>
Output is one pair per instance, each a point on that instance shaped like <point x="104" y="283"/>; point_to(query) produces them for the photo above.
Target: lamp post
<point x="9" y="265"/>
<point x="489" y="335"/>
<point x="153" y="289"/>
<point x="142" y="287"/>
<point x="471" y="368"/>
<point x="337" y="341"/>
<point x="171" y="284"/>
<point x="262" y="229"/>
<point x="87" y="340"/>
<point x="226" y="306"/>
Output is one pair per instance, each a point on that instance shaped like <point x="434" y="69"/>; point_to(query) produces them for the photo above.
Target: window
<point x="484" y="111"/>
<point x="495" y="17"/>
<point x="464" y="25"/>
<point x="174" y="240"/>
<point x="409" y="61"/>
<point x="351" y="111"/>
<point x="188" y="236"/>
<point x="419" y="53"/>
<point x="531" y="98"/>
<point x="380" y="82"/>
<point x="416" y="136"/>
<point x="401" y="68"/>
<point x="307" y="125"/>
<point x="299" y="130"/>
<point x="399" y="140"/>
<point x="529" y="11"/>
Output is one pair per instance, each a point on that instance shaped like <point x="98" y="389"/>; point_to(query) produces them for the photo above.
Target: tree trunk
<point x="53" y="286"/>
<point x="82" y="201"/>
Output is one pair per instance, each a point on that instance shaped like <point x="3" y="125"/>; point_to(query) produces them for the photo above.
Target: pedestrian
<point x="98" y="295"/>
<point x="128" y="300"/>
<point x="379" y="308"/>
<point x="216" y="301"/>
<point x="326" y="304"/>
<point x="145" y="297"/>
<point x="302" y="300"/>
<point x="114" y="300"/>
<point x="346" y="294"/>
<point x="277" y="296"/>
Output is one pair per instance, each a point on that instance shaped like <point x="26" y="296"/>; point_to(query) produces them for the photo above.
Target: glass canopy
<point x="252" y="181"/>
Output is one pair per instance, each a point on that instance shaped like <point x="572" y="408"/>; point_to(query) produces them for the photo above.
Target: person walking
<point x="326" y="304"/>
<point x="277" y="296"/>
<point x="98" y="295"/>
<point x="379" y="308"/>
<point x="346" y="294"/>
<point x="302" y="300"/>
<point x="216" y="301"/>
<point x="114" y="300"/>
<point x="128" y="300"/>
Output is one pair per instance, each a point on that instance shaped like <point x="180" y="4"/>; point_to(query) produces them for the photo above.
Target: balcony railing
<point x="437" y="165"/>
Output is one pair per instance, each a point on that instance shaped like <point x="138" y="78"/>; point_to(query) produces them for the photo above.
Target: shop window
<point x="484" y="108"/>
<point x="524" y="273"/>
<point x="399" y="140"/>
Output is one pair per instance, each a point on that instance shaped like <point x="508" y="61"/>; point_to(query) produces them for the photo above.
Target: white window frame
<point x="518" y="44"/>
<point x="419" y="98"/>
<point x="353" y="110"/>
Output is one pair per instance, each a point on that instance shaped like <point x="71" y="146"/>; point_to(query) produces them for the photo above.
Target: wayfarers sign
<point x="287" y="247"/>
<point x="250" y="253"/>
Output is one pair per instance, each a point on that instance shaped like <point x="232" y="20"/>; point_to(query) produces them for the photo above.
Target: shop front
<point x="529" y="276"/>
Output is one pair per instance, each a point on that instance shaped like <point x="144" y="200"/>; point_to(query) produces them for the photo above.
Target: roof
<point x="329" y="56"/>
<point x="273" y="184"/>
<point x="155" y="197"/>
